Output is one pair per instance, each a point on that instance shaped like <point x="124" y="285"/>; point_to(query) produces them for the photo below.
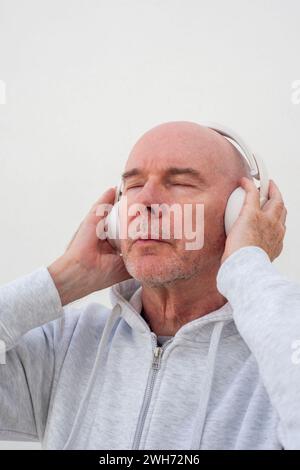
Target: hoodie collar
<point x="128" y="295"/>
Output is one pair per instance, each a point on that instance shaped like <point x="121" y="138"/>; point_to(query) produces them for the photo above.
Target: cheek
<point x="208" y="217"/>
<point x="214" y="219"/>
<point x="214" y="229"/>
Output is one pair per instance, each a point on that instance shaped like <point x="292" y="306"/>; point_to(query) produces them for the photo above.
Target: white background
<point x="84" y="79"/>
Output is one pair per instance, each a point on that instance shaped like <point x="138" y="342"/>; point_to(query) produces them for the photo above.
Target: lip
<point x="145" y="241"/>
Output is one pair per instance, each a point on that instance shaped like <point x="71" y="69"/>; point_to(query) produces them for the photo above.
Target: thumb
<point x="252" y="193"/>
<point x="101" y="207"/>
<point x="92" y="218"/>
<point x="108" y="197"/>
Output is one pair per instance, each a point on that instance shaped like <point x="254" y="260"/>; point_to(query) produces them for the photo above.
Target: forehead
<point x="155" y="157"/>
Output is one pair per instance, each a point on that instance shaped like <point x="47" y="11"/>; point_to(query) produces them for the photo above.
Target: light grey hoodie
<point x="94" y="378"/>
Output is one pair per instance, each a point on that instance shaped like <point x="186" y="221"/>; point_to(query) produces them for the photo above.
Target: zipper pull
<point x="156" y="358"/>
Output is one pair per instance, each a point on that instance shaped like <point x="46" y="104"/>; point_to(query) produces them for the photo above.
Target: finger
<point x="283" y="216"/>
<point x="274" y="192"/>
<point x="100" y="208"/>
<point x="275" y="204"/>
<point x="108" y="197"/>
<point x="252" y="193"/>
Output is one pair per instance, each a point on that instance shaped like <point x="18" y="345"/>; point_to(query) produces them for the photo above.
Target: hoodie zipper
<point x="155" y="366"/>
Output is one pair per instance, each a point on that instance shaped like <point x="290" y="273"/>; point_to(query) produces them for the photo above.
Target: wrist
<point x="70" y="279"/>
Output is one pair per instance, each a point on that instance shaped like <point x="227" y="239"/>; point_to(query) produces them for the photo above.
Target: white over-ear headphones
<point x="235" y="200"/>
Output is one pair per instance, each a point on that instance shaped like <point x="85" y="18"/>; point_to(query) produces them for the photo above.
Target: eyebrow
<point x="171" y="171"/>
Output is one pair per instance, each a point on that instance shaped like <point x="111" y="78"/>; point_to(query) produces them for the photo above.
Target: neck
<point x="167" y="308"/>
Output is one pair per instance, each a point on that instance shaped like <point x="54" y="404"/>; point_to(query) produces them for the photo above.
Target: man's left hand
<point x="263" y="227"/>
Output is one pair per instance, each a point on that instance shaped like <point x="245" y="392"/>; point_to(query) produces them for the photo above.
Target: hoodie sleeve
<point x="266" y="310"/>
<point x="27" y="354"/>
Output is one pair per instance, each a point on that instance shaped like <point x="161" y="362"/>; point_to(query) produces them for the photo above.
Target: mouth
<point x="148" y="241"/>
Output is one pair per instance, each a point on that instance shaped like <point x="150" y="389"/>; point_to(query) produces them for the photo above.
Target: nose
<point x="146" y="200"/>
<point x="152" y="192"/>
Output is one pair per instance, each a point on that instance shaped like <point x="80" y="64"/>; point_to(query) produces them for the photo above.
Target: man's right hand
<point x="89" y="264"/>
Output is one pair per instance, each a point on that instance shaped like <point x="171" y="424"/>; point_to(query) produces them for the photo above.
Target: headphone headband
<point x="256" y="164"/>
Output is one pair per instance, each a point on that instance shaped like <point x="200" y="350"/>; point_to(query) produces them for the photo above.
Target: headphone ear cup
<point x="112" y="226"/>
<point x="233" y="208"/>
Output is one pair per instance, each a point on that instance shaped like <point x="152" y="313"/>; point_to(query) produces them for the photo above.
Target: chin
<point x="153" y="272"/>
<point x="143" y="266"/>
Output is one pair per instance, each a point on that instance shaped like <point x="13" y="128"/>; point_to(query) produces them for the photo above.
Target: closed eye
<point x="188" y="185"/>
<point x="183" y="184"/>
<point x="133" y="187"/>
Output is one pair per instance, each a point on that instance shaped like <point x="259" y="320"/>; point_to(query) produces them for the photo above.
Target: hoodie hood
<point x="126" y="296"/>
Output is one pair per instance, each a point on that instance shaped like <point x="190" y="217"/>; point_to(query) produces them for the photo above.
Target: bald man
<point x="201" y="348"/>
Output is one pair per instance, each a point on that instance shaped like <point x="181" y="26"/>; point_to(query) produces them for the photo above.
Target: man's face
<point x="177" y="163"/>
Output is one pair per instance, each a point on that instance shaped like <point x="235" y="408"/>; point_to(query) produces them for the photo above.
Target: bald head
<point x="192" y="141"/>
